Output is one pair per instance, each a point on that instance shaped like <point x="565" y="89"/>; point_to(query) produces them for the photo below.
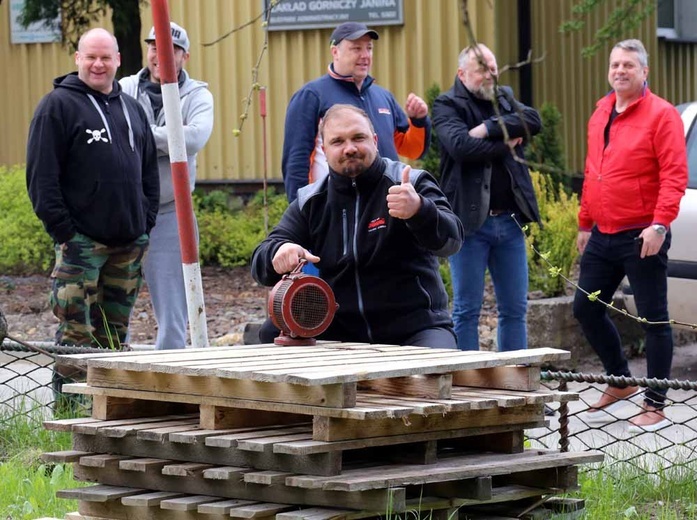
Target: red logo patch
<point x="376" y="223"/>
<point x="385" y="111"/>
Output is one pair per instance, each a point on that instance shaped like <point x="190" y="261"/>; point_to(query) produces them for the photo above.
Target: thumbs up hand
<point x="402" y="200"/>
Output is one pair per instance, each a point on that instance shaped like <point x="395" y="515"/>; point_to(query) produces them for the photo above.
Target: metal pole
<point x="262" y="111"/>
<point x="180" y="175"/>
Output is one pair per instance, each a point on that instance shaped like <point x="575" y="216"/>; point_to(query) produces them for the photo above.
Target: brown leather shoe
<point x="612" y="399"/>
<point x="650" y="419"/>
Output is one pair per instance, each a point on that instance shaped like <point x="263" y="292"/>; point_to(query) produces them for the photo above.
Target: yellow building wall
<point x="409" y="57"/>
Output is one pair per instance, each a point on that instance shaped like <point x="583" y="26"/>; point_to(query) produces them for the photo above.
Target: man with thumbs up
<point x="376" y="229"/>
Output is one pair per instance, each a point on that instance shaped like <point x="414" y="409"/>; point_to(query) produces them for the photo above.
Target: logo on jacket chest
<point x="384" y="111"/>
<point x="376" y="223"/>
<point x="97" y="136"/>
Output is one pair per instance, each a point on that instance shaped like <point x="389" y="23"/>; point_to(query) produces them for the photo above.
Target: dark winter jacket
<point x="91" y="167"/>
<point x="383" y="270"/>
<point x="466" y="162"/>
<point x="303" y="158"/>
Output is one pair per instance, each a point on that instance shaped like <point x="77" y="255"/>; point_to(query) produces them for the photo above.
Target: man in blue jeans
<point x="490" y="189"/>
<point x="635" y="176"/>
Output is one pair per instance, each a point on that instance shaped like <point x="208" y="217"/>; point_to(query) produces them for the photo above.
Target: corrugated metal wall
<point x="407" y="58"/>
<point x="574" y="83"/>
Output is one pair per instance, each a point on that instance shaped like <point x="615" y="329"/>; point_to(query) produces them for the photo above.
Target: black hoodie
<point x="91" y="166"/>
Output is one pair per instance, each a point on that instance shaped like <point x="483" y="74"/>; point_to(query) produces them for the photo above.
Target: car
<point x="682" y="255"/>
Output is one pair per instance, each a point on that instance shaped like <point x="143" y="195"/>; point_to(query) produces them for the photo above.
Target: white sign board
<point x="37" y="32"/>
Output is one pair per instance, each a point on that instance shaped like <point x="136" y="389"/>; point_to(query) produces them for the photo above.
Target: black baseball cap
<point x="351" y="31"/>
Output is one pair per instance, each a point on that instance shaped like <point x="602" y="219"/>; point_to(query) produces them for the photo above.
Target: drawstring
<point x="131" y="139"/>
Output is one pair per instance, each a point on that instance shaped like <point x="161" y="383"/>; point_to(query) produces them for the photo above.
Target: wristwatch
<point x="659" y="228"/>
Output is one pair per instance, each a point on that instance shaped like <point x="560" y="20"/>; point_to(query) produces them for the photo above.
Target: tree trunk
<point x="126" y="20"/>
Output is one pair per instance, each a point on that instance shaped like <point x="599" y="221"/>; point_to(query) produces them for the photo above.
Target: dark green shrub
<point x="545" y="152"/>
<point x="431" y="162"/>
<point x="25" y="247"/>
<point x="228" y="238"/>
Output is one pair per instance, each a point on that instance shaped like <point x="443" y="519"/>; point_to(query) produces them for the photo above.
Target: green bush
<point x="24" y="245"/>
<point x="555" y="238"/>
<point x="546" y="149"/>
<point x="229" y="237"/>
<point x="431" y="161"/>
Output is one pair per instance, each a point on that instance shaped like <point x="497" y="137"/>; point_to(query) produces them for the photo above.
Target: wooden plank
<point x="433" y="386"/>
<point x="226" y="473"/>
<point x="99" y="426"/>
<point x="144" y="465"/>
<point x="106" y="407"/>
<point x="506" y="378"/>
<point x="503" y="442"/>
<point x="218" y="417"/>
<point x="63" y="457"/>
<point x="560" y="478"/>
<point x="266" y="444"/>
<point x="479" y="488"/>
<point x="333" y="429"/>
<point x="439" y="361"/>
<point x="66" y="425"/>
<point x="312" y="446"/>
<point x="199" y="435"/>
<point x="335" y="395"/>
<point x="455" y="468"/>
<point x="415" y="453"/>
<point x="99" y="493"/>
<point x="232" y="440"/>
<point x="267" y="406"/>
<point x="266" y="478"/>
<point x="102" y="460"/>
<point x="315" y="513"/>
<point x="261" y="510"/>
<point x="148" y="499"/>
<point x="314" y="464"/>
<point x="375" y="500"/>
<point x="223" y="507"/>
<point x="186" y="469"/>
<point x="162" y="434"/>
<point x="187" y="503"/>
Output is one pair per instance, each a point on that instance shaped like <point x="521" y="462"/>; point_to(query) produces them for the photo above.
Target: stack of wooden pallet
<point x="337" y="430"/>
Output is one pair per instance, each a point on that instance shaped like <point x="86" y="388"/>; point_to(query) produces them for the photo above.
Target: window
<point x="677" y="20"/>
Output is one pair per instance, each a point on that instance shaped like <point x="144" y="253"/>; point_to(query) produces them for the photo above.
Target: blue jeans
<point x="605" y="261"/>
<point x="499" y="245"/>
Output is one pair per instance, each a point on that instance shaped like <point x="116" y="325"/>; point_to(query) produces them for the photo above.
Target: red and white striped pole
<point x="180" y="175"/>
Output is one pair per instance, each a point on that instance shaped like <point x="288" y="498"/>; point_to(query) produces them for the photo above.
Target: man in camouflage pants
<point x="93" y="180"/>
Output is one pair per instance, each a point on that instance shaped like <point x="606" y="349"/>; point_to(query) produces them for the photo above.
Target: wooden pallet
<point x="332" y="431"/>
<point x="278" y="448"/>
<point x="472" y="476"/>
<point x="324" y="375"/>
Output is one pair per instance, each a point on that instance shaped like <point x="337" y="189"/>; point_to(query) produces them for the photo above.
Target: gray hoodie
<point x="197" y="116"/>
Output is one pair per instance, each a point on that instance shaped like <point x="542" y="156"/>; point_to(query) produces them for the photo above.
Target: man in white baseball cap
<point x="162" y="267"/>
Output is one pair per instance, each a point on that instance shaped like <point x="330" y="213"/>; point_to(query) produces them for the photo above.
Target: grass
<point x="628" y="492"/>
<point x="29" y="485"/>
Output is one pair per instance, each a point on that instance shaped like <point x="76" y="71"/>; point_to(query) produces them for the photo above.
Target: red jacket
<point x="641" y="176"/>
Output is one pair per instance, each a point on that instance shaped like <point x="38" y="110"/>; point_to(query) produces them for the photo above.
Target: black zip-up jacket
<point x="466" y="162"/>
<point x="383" y="270"/>
<point x="91" y="166"/>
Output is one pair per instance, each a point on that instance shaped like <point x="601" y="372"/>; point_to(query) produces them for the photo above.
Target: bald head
<point x="97" y="59"/>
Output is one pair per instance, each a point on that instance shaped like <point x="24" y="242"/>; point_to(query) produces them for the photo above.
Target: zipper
<point x="359" y="293"/>
<point x="344" y="231"/>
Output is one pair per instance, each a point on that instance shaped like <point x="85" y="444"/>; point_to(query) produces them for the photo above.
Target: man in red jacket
<point x="635" y="176"/>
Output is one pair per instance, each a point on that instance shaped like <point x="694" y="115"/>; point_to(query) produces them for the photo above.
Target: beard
<point x="487" y="92"/>
<point x="355" y="167"/>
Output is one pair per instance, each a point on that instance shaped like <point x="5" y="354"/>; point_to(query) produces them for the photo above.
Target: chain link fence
<point x="29" y="389"/>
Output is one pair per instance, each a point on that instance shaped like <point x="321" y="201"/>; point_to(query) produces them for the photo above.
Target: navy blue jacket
<point x="90" y="170"/>
<point x="303" y="159"/>
<point x="383" y="270"/>
<point x="466" y="162"/>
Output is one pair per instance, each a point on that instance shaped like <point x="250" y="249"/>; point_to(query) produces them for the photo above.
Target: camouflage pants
<point x="94" y="289"/>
